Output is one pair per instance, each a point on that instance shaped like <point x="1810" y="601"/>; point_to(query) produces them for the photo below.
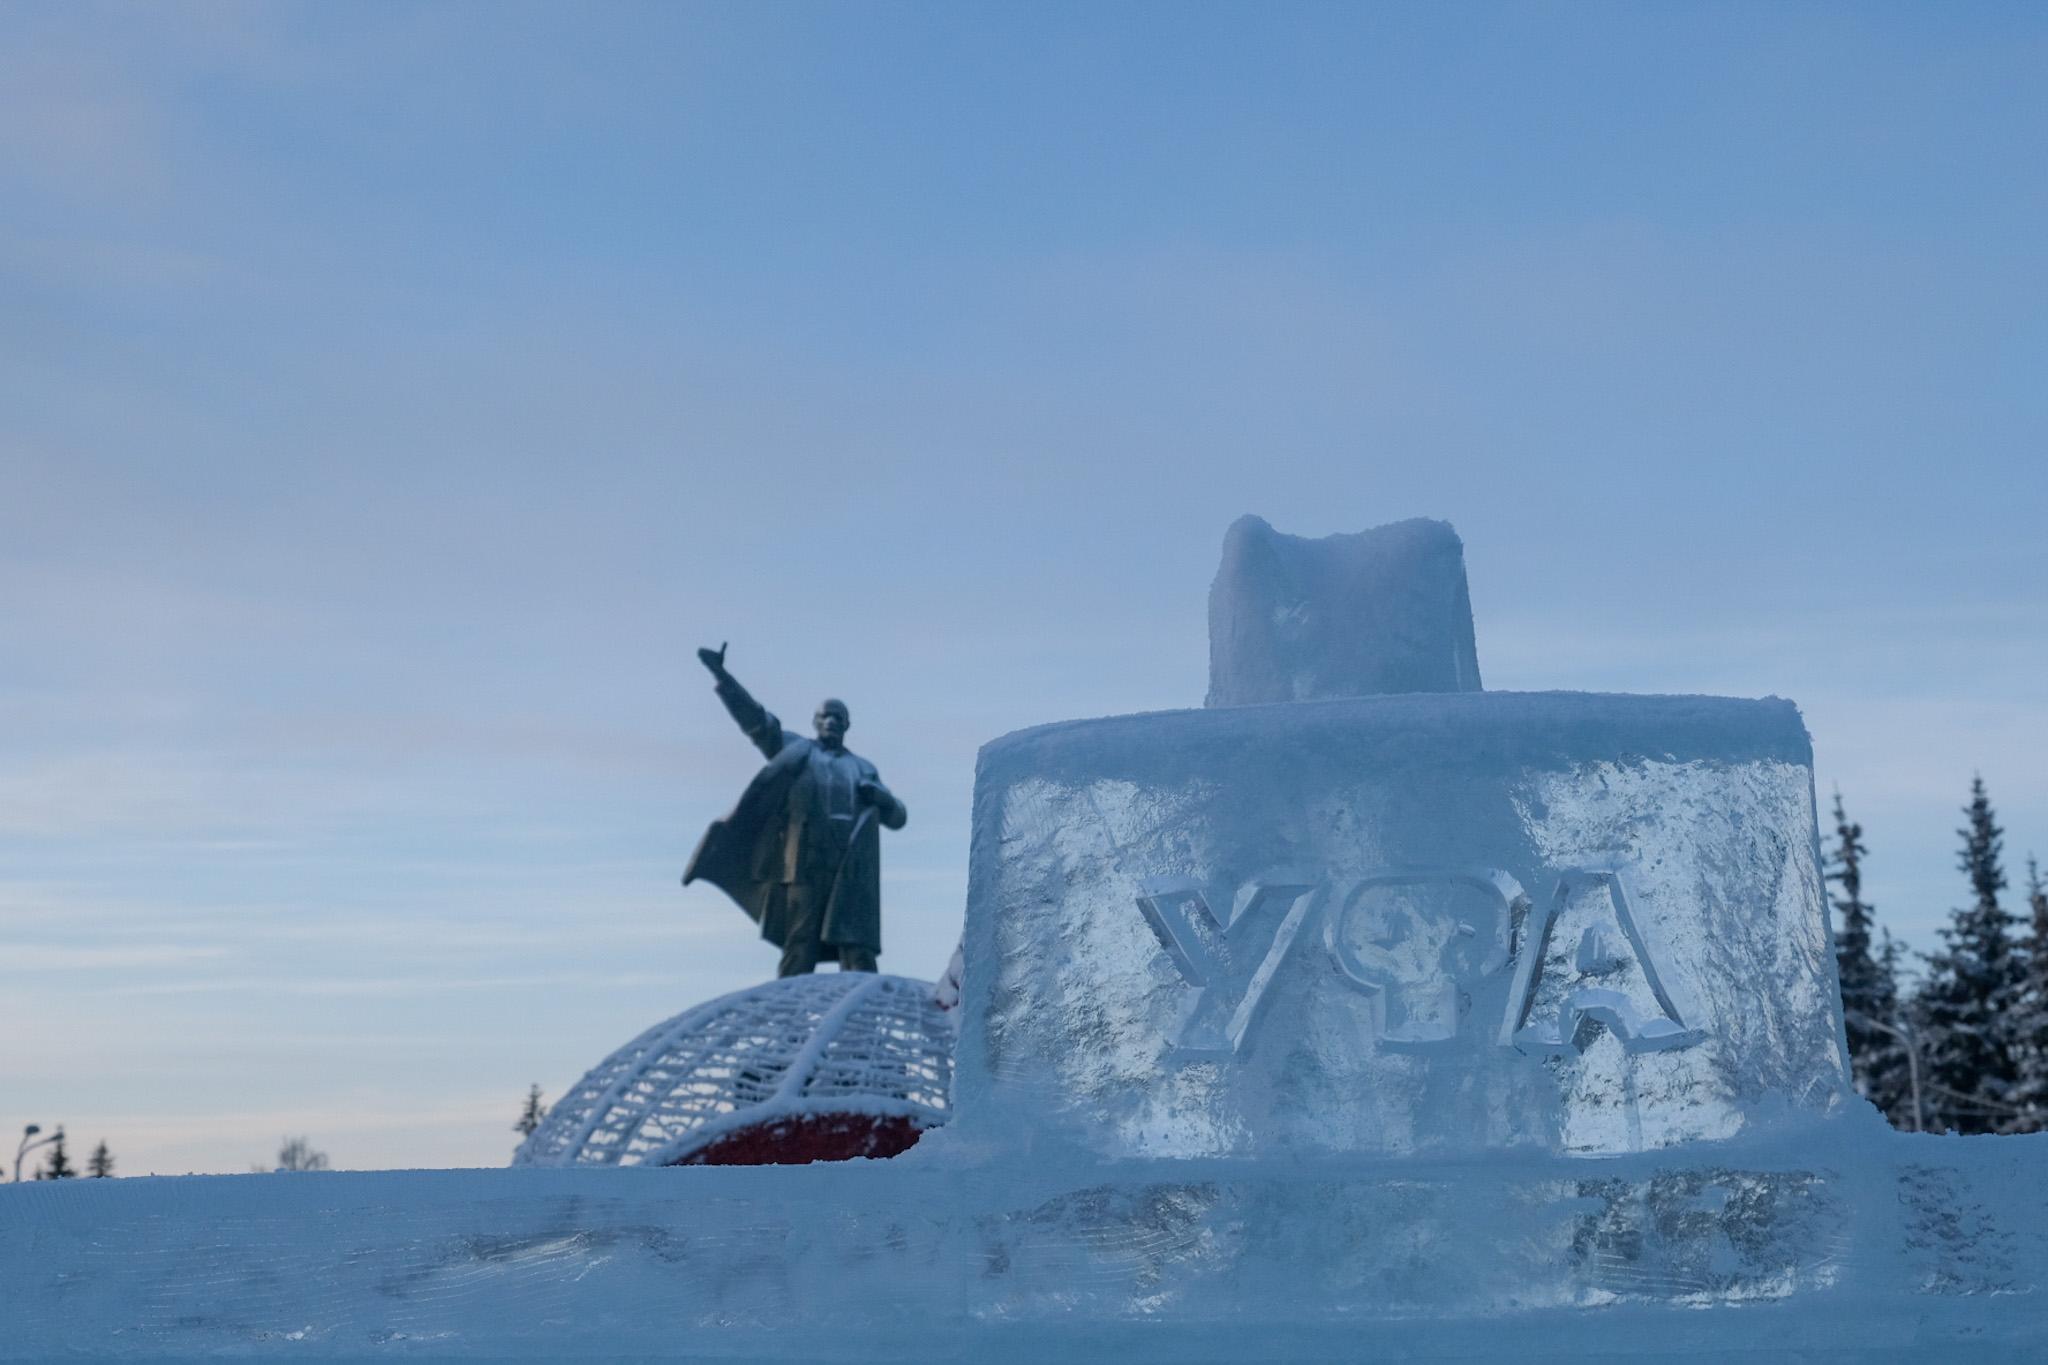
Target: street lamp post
<point x="28" y="1146"/>
<point x="1905" y="1036"/>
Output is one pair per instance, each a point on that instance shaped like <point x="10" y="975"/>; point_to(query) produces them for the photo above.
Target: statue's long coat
<point x="743" y="854"/>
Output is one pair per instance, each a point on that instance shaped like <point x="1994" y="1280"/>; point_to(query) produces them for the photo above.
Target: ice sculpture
<point x="1577" y="923"/>
<point x="1358" y="615"/>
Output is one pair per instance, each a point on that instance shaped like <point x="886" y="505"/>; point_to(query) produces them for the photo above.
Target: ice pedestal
<point x="1573" y="923"/>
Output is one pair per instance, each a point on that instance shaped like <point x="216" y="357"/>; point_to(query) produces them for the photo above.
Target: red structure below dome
<point x="810" y="1137"/>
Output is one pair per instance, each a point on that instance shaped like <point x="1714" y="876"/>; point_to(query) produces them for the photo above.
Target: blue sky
<point x="392" y="397"/>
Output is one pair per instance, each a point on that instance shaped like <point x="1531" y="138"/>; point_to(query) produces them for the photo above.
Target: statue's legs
<point x="802" y="948"/>
<point x="806" y="917"/>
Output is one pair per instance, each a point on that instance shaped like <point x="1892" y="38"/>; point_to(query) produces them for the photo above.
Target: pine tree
<point x="1972" y="987"/>
<point x="530" y="1117"/>
<point x="101" y="1163"/>
<point x="1870" y="1003"/>
<point x="57" y="1165"/>
<point x="1911" y="1111"/>
<point x="2030" y="1019"/>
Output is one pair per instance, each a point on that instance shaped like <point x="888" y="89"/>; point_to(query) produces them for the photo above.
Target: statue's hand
<point x="887" y="807"/>
<point x="714" y="659"/>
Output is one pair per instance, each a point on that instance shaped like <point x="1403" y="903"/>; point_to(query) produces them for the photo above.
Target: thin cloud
<point x="388" y="986"/>
<point x="72" y="957"/>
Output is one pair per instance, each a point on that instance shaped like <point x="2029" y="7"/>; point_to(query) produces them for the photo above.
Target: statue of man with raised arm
<point x="802" y="851"/>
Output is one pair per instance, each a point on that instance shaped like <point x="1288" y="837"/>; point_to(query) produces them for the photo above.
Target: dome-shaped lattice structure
<point x="807" y="1068"/>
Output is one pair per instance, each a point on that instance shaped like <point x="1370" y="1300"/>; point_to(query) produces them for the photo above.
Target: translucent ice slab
<point x="1576" y="923"/>
<point x="1358" y="615"/>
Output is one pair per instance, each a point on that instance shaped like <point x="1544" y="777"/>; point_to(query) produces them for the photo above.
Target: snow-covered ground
<point x="1830" y="1240"/>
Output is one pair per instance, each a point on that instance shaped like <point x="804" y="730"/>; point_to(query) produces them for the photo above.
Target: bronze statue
<point x="802" y="851"/>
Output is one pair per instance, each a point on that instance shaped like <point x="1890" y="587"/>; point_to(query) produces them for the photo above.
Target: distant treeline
<point x="293" y="1154"/>
<point x="1964" y="1047"/>
<point x="56" y="1161"/>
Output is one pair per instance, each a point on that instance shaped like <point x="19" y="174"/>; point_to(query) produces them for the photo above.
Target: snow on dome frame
<point x="803" y="1047"/>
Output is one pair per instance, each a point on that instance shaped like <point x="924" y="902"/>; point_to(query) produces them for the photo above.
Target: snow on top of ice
<point x="1490" y="729"/>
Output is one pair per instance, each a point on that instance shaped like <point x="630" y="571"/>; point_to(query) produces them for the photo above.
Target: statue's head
<point x="832" y="721"/>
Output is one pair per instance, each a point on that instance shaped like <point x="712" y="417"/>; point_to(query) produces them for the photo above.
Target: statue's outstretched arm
<point x="756" y="721"/>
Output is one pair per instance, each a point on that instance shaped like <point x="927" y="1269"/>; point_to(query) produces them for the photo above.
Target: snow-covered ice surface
<point x="1356" y="615"/>
<point x="1827" y="1240"/>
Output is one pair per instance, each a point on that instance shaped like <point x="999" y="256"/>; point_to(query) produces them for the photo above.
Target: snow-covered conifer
<point x="57" y="1165"/>
<point x="2030" y="1018"/>
<point x="530" y="1117"/>
<point x="1972" y="987"/>
<point x="1911" y="1111"/>
<point x="1870" y="1004"/>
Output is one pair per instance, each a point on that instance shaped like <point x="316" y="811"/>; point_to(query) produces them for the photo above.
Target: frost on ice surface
<point x="1575" y="923"/>
<point x="1385" y="610"/>
<point x="1585" y="963"/>
<point x="1417" y="941"/>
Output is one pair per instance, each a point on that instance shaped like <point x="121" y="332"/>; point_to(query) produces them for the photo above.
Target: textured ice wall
<point x="1385" y="610"/>
<point x="1574" y="923"/>
<point x="1850" y="1244"/>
